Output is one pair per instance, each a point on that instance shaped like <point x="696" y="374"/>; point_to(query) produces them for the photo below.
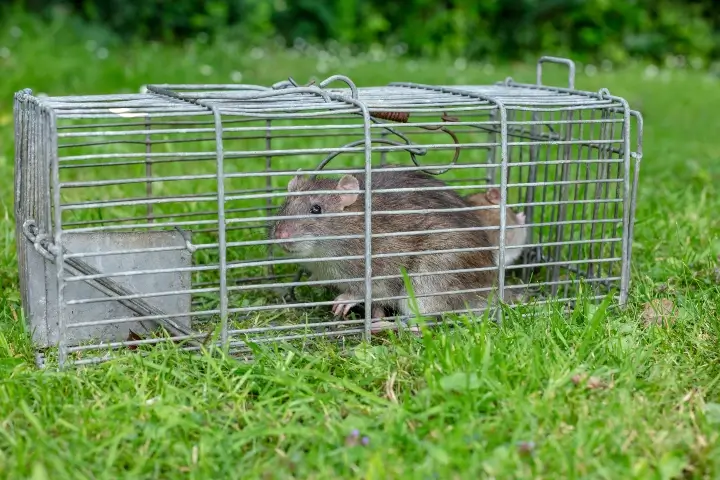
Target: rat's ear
<point x="493" y="196"/>
<point x="294" y="184"/>
<point x="348" y="182"/>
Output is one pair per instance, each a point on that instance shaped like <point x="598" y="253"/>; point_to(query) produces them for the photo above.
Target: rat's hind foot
<point x="377" y="322"/>
<point x="343" y="303"/>
<point x="380" y="325"/>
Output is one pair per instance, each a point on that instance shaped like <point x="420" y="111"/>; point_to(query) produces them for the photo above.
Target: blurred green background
<point x="615" y="30"/>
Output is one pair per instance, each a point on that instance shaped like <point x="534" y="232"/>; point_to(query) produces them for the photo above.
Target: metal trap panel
<point x="93" y="321"/>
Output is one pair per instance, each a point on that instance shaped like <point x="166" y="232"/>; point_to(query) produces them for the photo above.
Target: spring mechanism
<point x="400" y="117"/>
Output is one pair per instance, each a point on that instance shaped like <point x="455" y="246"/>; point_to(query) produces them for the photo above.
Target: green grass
<point x="456" y="403"/>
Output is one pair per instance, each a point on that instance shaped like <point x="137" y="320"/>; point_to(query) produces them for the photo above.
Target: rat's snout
<point x="282" y="231"/>
<point x="285" y="231"/>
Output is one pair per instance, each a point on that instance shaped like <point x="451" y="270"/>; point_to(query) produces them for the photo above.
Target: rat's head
<point x="304" y="231"/>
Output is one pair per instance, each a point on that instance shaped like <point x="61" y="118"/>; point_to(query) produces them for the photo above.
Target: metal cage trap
<point x="159" y="204"/>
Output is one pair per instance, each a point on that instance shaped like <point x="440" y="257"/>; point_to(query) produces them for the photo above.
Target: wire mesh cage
<point x="183" y="208"/>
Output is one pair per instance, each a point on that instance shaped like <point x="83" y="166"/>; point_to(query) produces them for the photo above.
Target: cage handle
<point x="561" y="61"/>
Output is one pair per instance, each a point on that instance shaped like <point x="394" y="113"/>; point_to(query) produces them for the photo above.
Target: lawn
<point x="592" y="393"/>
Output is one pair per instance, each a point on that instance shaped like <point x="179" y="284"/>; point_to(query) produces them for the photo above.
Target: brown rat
<point x="515" y="238"/>
<point x="305" y="232"/>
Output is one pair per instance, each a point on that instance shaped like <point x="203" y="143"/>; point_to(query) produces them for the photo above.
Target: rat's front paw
<point x="343" y="303"/>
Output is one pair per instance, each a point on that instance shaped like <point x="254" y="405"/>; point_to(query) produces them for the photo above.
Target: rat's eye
<point x="315" y="209"/>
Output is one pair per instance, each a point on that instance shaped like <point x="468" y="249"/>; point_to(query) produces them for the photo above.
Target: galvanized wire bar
<point x="216" y="161"/>
<point x="637" y="156"/>
<point x="62" y="313"/>
<point x="562" y="61"/>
